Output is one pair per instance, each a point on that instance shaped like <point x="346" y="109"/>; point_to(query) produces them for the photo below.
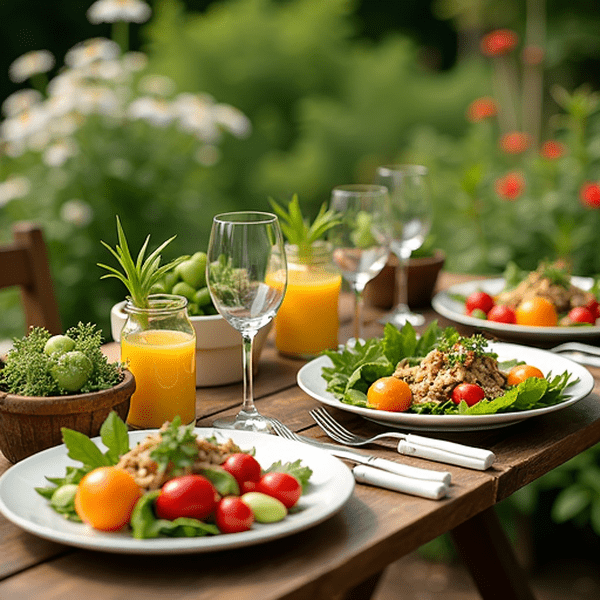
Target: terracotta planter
<point x="422" y="278"/>
<point x="29" y="424"/>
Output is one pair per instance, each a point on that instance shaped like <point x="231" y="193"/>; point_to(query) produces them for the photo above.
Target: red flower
<point x="552" y="149"/>
<point x="498" y="42"/>
<point x="515" y="142"/>
<point x="481" y="109"/>
<point x="511" y="186"/>
<point x="589" y="194"/>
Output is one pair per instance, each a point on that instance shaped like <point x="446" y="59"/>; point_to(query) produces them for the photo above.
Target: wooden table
<point x="342" y="557"/>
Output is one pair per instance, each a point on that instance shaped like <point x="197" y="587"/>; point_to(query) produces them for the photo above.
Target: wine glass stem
<point x="358" y="302"/>
<point x="248" y="405"/>
<point x="402" y="281"/>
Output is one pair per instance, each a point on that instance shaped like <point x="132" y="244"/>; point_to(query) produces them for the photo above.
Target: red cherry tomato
<point x="243" y="467"/>
<point x="191" y="496"/>
<point x="502" y="313"/>
<point x="479" y="300"/>
<point x="471" y="393"/>
<point x="582" y="314"/>
<point x="283" y="486"/>
<point x="232" y="515"/>
<point x="594" y="306"/>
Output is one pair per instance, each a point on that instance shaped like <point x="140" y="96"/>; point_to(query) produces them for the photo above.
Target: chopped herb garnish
<point x="178" y="448"/>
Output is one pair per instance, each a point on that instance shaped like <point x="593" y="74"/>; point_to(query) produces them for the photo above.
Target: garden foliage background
<point x="297" y="96"/>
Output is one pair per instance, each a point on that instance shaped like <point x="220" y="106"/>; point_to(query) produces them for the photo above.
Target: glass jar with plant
<point x="307" y="321"/>
<point x="158" y="342"/>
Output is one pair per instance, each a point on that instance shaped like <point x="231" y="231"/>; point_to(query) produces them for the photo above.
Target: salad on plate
<point x="438" y="373"/>
<point x="173" y="483"/>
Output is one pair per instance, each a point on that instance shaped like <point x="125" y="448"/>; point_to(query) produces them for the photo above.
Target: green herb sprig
<point x="297" y="229"/>
<point x="178" y="449"/>
<point x="142" y="275"/>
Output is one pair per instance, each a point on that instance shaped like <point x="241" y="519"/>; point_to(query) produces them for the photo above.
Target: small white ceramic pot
<point x="218" y="347"/>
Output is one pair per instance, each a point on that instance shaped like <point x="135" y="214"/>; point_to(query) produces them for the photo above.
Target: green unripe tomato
<point x="72" y="370"/>
<point x="169" y="280"/>
<point x="181" y="288"/>
<point x="193" y="270"/>
<point x="202" y="297"/>
<point x="266" y="509"/>
<point x="59" y="344"/>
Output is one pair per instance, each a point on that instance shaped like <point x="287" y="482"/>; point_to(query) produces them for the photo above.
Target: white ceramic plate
<point x="312" y="382"/>
<point x="330" y="487"/>
<point x="453" y="309"/>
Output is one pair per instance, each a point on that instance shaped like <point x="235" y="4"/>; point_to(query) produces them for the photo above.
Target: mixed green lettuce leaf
<point x="355" y="369"/>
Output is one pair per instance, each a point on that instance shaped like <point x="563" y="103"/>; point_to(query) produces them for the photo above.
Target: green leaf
<point x="301" y="472"/>
<point x="81" y="448"/>
<point x="177" y="449"/>
<point x="115" y="437"/>
<point x="145" y="525"/>
<point x="224" y="482"/>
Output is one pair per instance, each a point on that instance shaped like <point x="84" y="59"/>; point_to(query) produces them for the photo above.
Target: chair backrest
<point x="25" y="263"/>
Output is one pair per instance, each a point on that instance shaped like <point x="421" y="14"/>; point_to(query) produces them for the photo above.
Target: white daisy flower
<point x="30" y="63"/>
<point x="20" y="101"/>
<point x="110" y="11"/>
<point x="24" y="125"/>
<point x="58" y="153"/>
<point x="77" y="212"/>
<point x="88" y="51"/>
<point x="12" y="188"/>
<point x="233" y="119"/>
<point x="109" y="70"/>
<point x="98" y="99"/>
<point x="155" y="111"/>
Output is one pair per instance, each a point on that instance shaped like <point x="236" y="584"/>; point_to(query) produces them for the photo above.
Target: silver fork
<point x="410" y="444"/>
<point x="364" y="459"/>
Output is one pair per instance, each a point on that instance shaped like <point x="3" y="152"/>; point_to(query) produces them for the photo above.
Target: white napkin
<point x="433" y="490"/>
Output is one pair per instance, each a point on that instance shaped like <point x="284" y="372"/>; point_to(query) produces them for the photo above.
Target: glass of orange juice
<point x="308" y="320"/>
<point x="158" y="344"/>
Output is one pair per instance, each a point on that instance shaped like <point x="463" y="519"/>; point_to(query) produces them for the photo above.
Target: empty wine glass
<point x="360" y="240"/>
<point x="247" y="276"/>
<point x="411" y="216"/>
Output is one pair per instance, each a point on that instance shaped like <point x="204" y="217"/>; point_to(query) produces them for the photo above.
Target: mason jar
<point x="158" y="344"/>
<point x="307" y="321"/>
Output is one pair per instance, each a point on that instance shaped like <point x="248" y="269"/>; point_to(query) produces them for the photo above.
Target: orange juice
<point x="307" y="321"/>
<point x="164" y="365"/>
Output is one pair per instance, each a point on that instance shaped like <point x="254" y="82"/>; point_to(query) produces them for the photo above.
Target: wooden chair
<point x="24" y="263"/>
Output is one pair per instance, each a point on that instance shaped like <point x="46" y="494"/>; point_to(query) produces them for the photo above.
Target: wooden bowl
<point x="29" y="424"/>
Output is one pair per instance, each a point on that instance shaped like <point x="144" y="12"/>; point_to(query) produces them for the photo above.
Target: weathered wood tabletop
<point x="345" y="554"/>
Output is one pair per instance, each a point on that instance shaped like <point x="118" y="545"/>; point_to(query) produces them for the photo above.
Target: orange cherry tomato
<point x="105" y="498"/>
<point x="389" y="393"/>
<point x="522" y="372"/>
<point x="536" y="312"/>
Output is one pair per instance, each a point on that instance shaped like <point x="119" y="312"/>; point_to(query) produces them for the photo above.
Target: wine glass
<point x="360" y="239"/>
<point x="247" y="276"/>
<point x="411" y="216"/>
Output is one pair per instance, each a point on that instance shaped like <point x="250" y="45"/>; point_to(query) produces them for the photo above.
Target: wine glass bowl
<point x="360" y="239"/>
<point x="247" y="276"/>
<point x="410" y="222"/>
